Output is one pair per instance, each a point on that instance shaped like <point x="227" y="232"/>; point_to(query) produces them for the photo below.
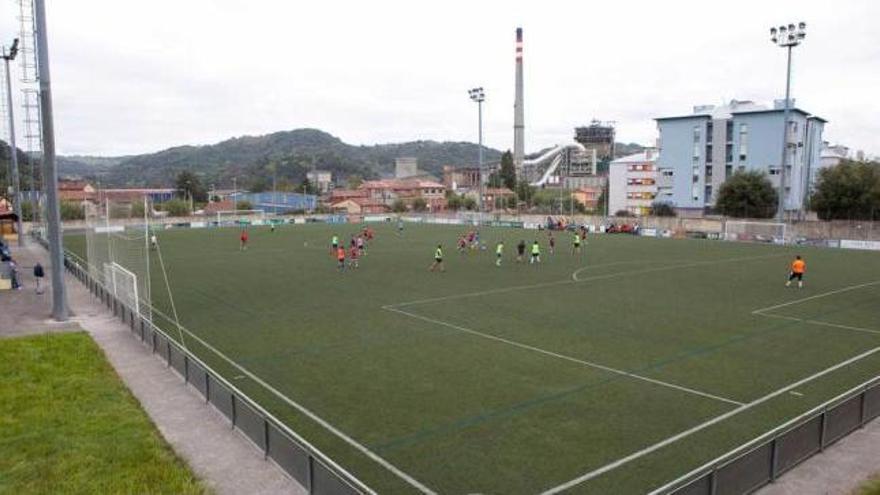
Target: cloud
<point x="131" y="77"/>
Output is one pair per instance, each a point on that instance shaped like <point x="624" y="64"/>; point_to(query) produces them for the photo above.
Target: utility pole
<point x="50" y="174"/>
<point x="13" y="149"/>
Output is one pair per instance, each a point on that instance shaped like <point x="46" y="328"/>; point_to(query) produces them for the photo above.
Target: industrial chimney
<point x="518" y="115"/>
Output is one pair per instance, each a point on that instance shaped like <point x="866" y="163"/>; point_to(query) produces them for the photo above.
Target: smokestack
<point x="518" y="114"/>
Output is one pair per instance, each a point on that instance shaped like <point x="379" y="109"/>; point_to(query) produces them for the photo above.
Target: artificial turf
<point x="513" y="379"/>
<point x="69" y="425"/>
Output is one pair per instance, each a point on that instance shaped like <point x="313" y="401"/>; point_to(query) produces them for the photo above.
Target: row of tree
<point x="848" y="191"/>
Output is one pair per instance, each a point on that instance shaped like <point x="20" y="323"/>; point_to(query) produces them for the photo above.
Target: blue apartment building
<point x="700" y="150"/>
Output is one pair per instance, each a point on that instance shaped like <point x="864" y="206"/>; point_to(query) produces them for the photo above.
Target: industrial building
<point x="700" y="150"/>
<point x="597" y="138"/>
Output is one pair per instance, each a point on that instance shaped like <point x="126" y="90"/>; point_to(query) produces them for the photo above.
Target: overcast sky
<point x="134" y="77"/>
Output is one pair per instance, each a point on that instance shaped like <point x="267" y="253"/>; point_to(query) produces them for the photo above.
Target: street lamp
<point x="479" y="96"/>
<point x="786" y="37"/>
<point x="8" y="56"/>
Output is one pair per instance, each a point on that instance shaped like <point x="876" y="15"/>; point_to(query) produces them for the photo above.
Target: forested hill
<point x="287" y="155"/>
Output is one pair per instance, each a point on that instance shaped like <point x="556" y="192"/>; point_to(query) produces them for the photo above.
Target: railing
<point x="305" y="463"/>
<point x="765" y="458"/>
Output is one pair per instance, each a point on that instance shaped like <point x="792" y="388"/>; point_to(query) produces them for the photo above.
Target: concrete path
<point x="840" y="469"/>
<point x="218" y="455"/>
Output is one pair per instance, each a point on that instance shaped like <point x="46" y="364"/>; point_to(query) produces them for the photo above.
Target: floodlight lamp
<point x="773" y="32"/>
<point x="791" y="27"/>
<point x="802" y="26"/>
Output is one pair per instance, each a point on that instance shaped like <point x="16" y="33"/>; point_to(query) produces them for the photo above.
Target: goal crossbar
<point x="749" y="231"/>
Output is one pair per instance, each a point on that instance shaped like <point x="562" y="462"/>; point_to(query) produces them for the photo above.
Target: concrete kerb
<point x="224" y="459"/>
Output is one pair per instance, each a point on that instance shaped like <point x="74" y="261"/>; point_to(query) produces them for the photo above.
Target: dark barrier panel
<point x="293" y="459"/>
<point x="324" y="482"/>
<point x="197" y="376"/>
<point x="872" y="403"/>
<point x="700" y="486"/>
<point x="220" y="396"/>
<point x="251" y="423"/>
<point x="798" y="444"/>
<point x="177" y="360"/>
<point x="161" y="347"/>
<point x="746" y="473"/>
<point x="842" y="419"/>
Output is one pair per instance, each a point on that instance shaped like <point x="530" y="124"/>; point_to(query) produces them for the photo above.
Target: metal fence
<point x="762" y="460"/>
<point x="302" y="461"/>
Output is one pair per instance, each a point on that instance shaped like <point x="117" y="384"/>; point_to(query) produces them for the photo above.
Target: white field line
<point x="314" y="417"/>
<point x="817" y="296"/>
<point x="822" y="323"/>
<point x="562" y="356"/>
<point x="575" y="280"/>
<point x="659" y="445"/>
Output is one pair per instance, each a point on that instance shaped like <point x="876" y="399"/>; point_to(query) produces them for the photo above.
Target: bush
<point x="176" y="208"/>
<point x="398" y="206"/>
<point x="662" y="209"/>
<point x="72" y="210"/>
<point x="419" y="204"/>
<point x="469" y="203"/>
<point x="244" y="205"/>
<point x="623" y="213"/>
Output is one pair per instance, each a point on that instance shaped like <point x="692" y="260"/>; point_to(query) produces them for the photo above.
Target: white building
<point x="321" y="179"/>
<point x="405" y="167"/>
<point x="832" y="155"/>
<point x="633" y="183"/>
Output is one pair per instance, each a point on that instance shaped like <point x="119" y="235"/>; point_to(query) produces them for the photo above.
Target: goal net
<point x="241" y="217"/>
<point x="735" y="230"/>
<point x="118" y="250"/>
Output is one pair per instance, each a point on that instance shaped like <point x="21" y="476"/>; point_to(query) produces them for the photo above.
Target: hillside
<point x="287" y="155"/>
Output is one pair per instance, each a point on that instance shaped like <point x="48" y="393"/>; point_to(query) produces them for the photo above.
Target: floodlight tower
<point x="479" y="96"/>
<point x="9" y="56"/>
<point x="786" y="37"/>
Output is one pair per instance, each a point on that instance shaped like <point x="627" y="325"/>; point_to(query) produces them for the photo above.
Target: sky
<point x="134" y="77"/>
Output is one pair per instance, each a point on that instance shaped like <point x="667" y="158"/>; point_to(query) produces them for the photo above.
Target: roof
<point x="647" y="156"/>
<point x="164" y="190"/>
<point x="400" y="184"/>
<point x="735" y="107"/>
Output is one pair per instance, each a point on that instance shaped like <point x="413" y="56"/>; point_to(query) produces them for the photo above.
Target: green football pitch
<point x="612" y="371"/>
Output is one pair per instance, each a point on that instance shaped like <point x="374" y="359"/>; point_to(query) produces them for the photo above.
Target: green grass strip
<point x="69" y="425"/>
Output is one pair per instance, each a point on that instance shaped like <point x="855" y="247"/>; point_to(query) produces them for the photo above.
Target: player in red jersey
<point x="243" y="240"/>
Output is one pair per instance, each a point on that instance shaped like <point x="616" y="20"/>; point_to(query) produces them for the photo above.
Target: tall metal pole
<point x="50" y="173"/>
<point x="785" y="114"/>
<point x="13" y="151"/>
<point x="480" y="154"/>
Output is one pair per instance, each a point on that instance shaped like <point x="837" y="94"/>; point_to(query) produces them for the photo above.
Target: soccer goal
<point x="124" y="285"/>
<point x="736" y="230"/>
<point x="241" y="217"/>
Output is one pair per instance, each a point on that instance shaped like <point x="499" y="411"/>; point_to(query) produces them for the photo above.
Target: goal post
<point x="123" y="284"/>
<point x="238" y="217"/>
<point x="745" y="231"/>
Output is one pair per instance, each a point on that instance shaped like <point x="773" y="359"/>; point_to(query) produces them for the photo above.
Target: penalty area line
<point x="684" y="434"/>
<point x="563" y="356"/>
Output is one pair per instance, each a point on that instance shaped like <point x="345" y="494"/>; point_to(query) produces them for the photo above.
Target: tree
<point x="662" y="209"/>
<point x="419" y="204"/>
<point x="354" y="181"/>
<point x="176" y="208"/>
<point x="508" y="171"/>
<point x="525" y="192"/>
<point x="244" y="205"/>
<point x="623" y="213"/>
<point x="189" y="186"/>
<point x="454" y="202"/>
<point x="747" y="195"/>
<point x="398" y="206"/>
<point x="469" y="203"/>
<point x="602" y="202"/>
<point x="307" y="187"/>
<point x="850" y="191"/>
<point x="495" y="180"/>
